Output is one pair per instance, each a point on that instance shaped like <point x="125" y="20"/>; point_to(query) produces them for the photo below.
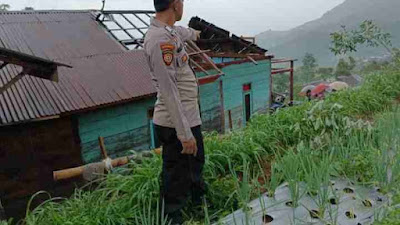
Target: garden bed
<point x="346" y="204"/>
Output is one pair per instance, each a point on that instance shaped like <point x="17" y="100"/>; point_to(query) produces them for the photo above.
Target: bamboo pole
<point x="78" y="171"/>
<point x="103" y="148"/>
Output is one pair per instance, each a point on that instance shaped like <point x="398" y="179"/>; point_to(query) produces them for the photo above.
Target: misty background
<point x="243" y="17"/>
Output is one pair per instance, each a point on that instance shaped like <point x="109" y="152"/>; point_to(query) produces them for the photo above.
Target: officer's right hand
<point x="189" y="147"/>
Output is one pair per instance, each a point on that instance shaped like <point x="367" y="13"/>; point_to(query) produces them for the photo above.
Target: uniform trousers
<point x="181" y="176"/>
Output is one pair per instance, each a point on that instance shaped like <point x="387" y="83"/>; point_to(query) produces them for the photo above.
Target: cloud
<point x="247" y="17"/>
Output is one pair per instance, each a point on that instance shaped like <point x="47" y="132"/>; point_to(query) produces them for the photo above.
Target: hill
<point x="314" y="36"/>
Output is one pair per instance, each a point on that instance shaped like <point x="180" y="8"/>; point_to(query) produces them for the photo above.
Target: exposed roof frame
<point x="126" y="22"/>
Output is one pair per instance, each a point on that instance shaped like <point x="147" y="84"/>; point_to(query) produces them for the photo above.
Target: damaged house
<point x="47" y="126"/>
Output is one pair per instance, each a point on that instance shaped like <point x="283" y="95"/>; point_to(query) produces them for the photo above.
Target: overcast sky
<point x="242" y="17"/>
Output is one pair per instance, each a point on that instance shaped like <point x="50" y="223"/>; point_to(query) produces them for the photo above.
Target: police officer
<point x="176" y="115"/>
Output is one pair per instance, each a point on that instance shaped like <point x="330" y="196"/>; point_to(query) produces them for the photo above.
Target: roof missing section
<point x="219" y="40"/>
<point x="127" y="27"/>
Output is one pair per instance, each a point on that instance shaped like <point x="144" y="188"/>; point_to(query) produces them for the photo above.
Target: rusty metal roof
<point x="220" y="40"/>
<point x="92" y="82"/>
<point x="104" y="73"/>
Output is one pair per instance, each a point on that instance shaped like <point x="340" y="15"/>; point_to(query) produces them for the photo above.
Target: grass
<point x="344" y="130"/>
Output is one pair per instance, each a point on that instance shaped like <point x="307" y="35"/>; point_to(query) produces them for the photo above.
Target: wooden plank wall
<point x="125" y="127"/>
<point x="235" y="77"/>
<point x="29" y="153"/>
<point x="210" y="103"/>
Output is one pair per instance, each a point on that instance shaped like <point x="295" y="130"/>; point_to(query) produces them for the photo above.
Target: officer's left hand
<point x="189" y="147"/>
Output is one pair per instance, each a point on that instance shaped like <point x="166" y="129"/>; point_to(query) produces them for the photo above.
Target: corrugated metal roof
<point x="103" y="71"/>
<point x="220" y="40"/>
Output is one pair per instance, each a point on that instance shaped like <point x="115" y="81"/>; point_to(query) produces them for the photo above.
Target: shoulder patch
<point x="167" y="50"/>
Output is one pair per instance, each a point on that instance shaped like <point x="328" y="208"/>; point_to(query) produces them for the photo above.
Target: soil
<point x="266" y="167"/>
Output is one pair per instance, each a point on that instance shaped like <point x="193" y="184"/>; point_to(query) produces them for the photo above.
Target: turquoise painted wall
<point x="224" y="60"/>
<point x="210" y="106"/>
<point x="235" y="77"/>
<point x="124" y="127"/>
<point x="127" y="127"/>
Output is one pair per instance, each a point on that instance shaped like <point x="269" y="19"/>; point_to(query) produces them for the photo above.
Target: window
<point x="246" y="87"/>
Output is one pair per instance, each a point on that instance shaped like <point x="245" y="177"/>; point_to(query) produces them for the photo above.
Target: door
<point x="247" y="103"/>
<point x="247" y="106"/>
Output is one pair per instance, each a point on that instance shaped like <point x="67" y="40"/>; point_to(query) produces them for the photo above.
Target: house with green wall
<point x="128" y="127"/>
<point x="226" y="102"/>
<point x="47" y="126"/>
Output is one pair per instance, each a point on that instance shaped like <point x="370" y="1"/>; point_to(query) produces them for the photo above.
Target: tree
<point x="345" y="68"/>
<point x="368" y="33"/>
<point x="4" y="7"/>
<point x="309" y="67"/>
<point x="309" y="61"/>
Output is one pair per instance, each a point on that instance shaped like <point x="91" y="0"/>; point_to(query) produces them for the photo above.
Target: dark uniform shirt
<point x="177" y="89"/>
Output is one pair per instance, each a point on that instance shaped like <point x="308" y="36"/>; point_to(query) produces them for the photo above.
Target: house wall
<point x="235" y="77"/>
<point x="210" y="106"/>
<point x="125" y="127"/>
<point x="224" y="59"/>
<point x="29" y="153"/>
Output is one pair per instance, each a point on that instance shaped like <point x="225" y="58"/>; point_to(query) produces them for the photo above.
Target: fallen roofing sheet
<point x="35" y="66"/>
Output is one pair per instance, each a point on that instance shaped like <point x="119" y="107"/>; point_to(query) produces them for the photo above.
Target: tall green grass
<point x="294" y="139"/>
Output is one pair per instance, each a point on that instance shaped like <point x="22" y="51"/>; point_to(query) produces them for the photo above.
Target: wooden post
<point x="103" y="148"/>
<point x="291" y="81"/>
<point x="221" y="95"/>
<point x="230" y="120"/>
<point x="270" y="88"/>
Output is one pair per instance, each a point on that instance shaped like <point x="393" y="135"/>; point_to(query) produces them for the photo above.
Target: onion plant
<point x="150" y="216"/>
<point x="317" y="178"/>
<point x="291" y="168"/>
<point x="386" y="167"/>
<point x="275" y="180"/>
